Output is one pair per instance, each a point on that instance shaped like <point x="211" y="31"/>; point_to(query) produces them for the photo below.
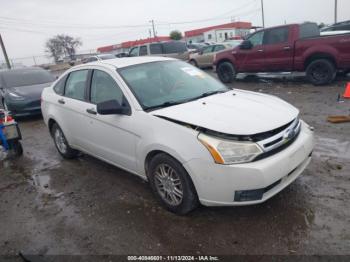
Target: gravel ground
<point x="49" y="205"/>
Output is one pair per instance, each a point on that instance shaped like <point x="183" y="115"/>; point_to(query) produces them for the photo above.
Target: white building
<point x="219" y="33"/>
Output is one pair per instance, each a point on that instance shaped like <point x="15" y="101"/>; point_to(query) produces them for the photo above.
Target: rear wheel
<point x="321" y="72"/>
<point x="172" y="185"/>
<point x="226" y="72"/>
<point x="61" y="143"/>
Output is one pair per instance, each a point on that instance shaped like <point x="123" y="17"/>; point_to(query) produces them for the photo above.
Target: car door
<point x="110" y="137"/>
<point x="278" y="49"/>
<point x="205" y="58"/>
<point x="251" y="60"/>
<point x="71" y="107"/>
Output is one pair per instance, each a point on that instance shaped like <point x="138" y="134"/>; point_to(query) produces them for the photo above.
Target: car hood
<point x="32" y="91"/>
<point x="236" y="112"/>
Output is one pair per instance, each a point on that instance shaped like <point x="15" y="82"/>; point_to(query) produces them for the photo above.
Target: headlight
<point x="15" y="96"/>
<point x="230" y="152"/>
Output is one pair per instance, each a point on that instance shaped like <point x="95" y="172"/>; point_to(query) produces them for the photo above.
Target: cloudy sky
<point x="25" y="25"/>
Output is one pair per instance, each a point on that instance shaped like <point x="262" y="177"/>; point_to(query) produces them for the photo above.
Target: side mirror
<point x="112" y="107"/>
<point x="246" y="44"/>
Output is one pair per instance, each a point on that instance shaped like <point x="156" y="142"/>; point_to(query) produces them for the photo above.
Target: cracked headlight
<point x="230" y="152"/>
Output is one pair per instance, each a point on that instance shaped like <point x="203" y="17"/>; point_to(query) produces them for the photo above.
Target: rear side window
<point x="75" y="85"/>
<point x="104" y="88"/>
<point x="156" y="49"/>
<point x="276" y="36"/>
<point x="174" y="47"/>
<point x="309" y="30"/>
<point x="59" y="87"/>
<point x="143" y="50"/>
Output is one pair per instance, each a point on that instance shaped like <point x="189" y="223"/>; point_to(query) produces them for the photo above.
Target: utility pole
<point x="154" y="30"/>
<point x="336" y="11"/>
<point x="262" y="13"/>
<point x="4" y="52"/>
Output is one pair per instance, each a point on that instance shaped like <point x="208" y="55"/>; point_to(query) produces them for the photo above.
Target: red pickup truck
<point x="287" y="48"/>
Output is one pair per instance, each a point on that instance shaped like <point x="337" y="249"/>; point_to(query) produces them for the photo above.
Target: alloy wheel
<point x="60" y="141"/>
<point x="168" y="184"/>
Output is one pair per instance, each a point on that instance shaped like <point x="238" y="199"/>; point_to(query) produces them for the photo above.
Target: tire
<point x="16" y="148"/>
<point x="163" y="186"/>
<point x="194" y="63"/>
<point x="321" y="72"/>
<point x="226" y="72"/>
<point x="61" y="143"/>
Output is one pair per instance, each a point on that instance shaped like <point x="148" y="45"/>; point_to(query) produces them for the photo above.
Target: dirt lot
<point x="53" y="206"/>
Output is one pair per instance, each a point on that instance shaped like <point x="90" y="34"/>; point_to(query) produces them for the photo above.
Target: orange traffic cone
<point x="347" y="91"/>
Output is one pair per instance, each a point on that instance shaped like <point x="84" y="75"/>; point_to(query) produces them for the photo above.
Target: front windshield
<point x="16" y="78"/>
<point x="168" y="82"/>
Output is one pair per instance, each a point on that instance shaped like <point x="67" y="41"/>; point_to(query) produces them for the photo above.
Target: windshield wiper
<point x="165" y="104"/>
<point x="210" y="93"/>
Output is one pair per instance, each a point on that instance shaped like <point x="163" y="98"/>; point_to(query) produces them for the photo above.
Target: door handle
<point x="91" y="111"/>
<point x="61" y="101"/>
<point x="286" y="48"/>
<point x="260" y="50"/>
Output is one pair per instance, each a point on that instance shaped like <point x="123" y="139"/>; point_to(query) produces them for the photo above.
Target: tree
<point x="62" y="45"/>
<point x="175" y="35"/>
<point x="321" y="25"/>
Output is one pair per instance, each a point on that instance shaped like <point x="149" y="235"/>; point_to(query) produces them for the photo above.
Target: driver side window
<point x="257" y="38"/>
<point x="207" y="50"/>
<point x="104" y="88"/>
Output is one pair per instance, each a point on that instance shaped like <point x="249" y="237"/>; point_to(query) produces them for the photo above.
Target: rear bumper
<point x="229" y="185"/>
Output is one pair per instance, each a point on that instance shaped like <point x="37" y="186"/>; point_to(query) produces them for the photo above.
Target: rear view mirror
<point x="246" y="44"/>
<point x="112" y="107"/>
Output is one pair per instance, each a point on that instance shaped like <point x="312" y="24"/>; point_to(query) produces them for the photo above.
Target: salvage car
<point x="194" y="139"/>
<point x="20" y="89"/>
<point x="287" y="48"/>
<point x="205" y="57"/>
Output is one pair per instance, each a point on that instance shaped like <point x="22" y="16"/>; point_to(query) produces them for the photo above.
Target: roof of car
<point x="129" y="61"/>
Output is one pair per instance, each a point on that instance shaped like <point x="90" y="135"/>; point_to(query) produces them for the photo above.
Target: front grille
<point x="279" y="141"/>
<point x="278" y="149"/>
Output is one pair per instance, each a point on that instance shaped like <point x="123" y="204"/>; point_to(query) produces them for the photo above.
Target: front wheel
<point x="321" y="72"/>
<point x="226" y="72"/>
<point x="172" y="185"/>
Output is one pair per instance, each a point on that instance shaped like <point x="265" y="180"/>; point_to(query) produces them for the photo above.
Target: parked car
<point x="295" y="47"/>
<point x="95" y="58"/>
<point x="194" y="139"/>
<point x="174" y="49"/>
<point x="195" y="47"/>
<point x="234" y="42"/>
<point x="337" y="28"/>
<point x="120" y="55"/>
<point x="20" y="89"/>
<point x="205" y="57"/>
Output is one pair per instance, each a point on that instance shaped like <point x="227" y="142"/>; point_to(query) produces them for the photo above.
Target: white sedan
<point x="194" y="139"/>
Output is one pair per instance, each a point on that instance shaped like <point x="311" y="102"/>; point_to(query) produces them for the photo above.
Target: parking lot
<point x="54" y="206"/>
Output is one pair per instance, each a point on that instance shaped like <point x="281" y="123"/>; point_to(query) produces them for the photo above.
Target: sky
<point x="25" y="25"/>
